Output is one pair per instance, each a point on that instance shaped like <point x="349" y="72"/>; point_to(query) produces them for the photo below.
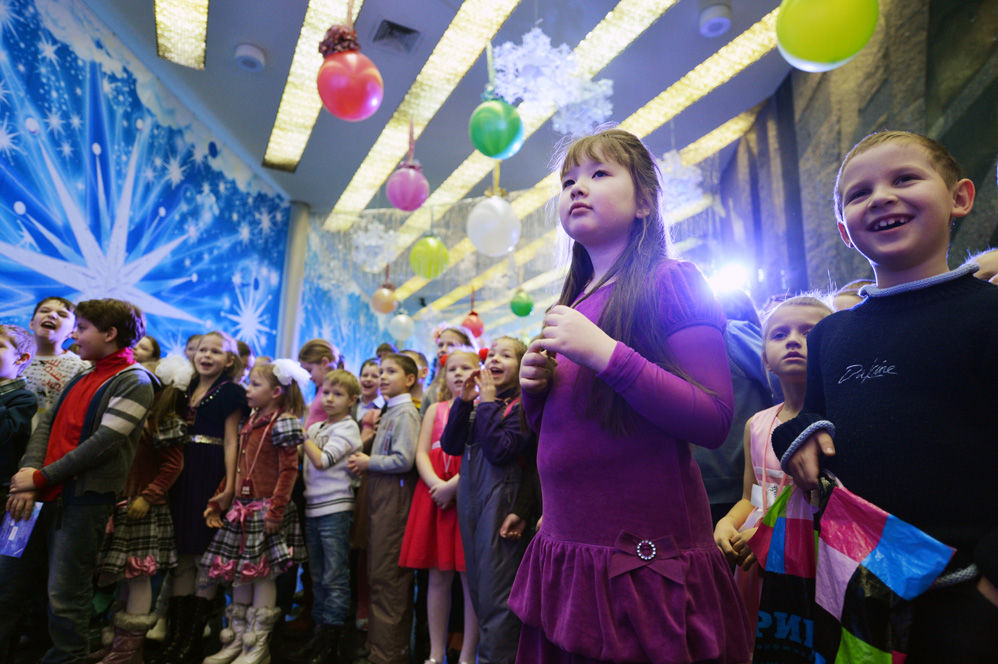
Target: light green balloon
<point x="818" y="35"/>
<point x="429" y="257"/>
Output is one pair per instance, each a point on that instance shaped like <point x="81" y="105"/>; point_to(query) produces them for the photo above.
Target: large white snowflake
<point x="251" y="310"/>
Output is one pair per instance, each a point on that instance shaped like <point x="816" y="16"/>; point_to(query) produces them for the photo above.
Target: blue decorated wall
<point x="110" y="187"/>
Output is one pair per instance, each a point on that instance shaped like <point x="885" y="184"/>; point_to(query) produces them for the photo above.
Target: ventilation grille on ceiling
<point x="395" y="37"/>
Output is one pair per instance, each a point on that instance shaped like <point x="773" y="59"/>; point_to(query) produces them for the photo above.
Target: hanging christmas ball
<point x="401" y="327"/>
<point x="407" y="187"/>
<point x="521" y="304"/>
<point x="474" y="324"/>
<point x="496" y="129"/>
<point x="429" y="257"/>
<point x="818" y="35"/>
<point x="384" y="301"/>
<point x="493" y="227"/>
<point x="350" y="86"/>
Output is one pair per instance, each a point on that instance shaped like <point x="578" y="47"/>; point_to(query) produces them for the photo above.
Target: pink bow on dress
<point x="239" y="512"/>
<point x="222" y="570"/>
<point x="136" y="566"/>
<point x="250" y="572"/>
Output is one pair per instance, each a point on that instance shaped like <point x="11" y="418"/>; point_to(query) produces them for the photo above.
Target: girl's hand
<point x="223" y="499"/>
<point x="271" y="527"/>
<point x="746" y="559"/>
<point x="21" y="504"/>
<point x="138" y="508"/>
<point x="357" y="463"/>
<point x="470" y="388"/>
<point x="486" y="385"/>
<point x="443" y="494"/>
<point x="213" y="518"/>
<point x="724" y="534"/>
<point x="512" y="527"/>
<point x="536" y="368"/>
<point x="568" y="332"/>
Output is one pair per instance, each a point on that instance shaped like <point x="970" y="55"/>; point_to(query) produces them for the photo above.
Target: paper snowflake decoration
<point x="372" y="246"/>
<point x="680" y="183"/>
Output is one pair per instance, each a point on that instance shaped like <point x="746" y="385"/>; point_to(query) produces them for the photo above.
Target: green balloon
<point x="522" y="304"/>
<point x="496" y="129"/>
<point x="818" y="35"/>
<point x="429" y="257"/>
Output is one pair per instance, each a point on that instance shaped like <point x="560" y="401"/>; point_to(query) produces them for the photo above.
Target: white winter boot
<point x="256" y="639"/>
<point x="231" y="636"/>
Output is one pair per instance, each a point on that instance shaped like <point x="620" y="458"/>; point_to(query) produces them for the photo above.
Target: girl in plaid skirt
<point x="259" y="537"/>
<point x="141" y="542"/>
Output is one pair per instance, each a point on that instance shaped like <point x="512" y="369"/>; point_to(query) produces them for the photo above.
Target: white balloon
<point x="401" y="327"/>
<point x="493" y="227"/>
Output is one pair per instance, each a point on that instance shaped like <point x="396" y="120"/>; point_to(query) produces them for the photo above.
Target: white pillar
<point x="293" y="282"/>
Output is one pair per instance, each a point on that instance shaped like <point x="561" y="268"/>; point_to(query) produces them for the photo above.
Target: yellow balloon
<point x="428" y="257"/>
<point x="384" y="301"/>
<point x="818" y="35"/>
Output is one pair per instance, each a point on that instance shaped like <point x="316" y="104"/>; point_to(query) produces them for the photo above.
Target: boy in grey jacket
<point x="76" y="462"/>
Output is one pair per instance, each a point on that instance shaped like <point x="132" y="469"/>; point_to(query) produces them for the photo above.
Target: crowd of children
<point x="211" y="471"/>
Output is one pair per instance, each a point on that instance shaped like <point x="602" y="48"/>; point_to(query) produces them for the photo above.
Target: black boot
<point x="190" y="644"/>
<point x="325" y="649"/>
<point x="177" y="612"/>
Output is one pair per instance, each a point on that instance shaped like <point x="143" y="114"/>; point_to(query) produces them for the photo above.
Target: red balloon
<point x="350" y="86"/>
<point x="474" y="324"/>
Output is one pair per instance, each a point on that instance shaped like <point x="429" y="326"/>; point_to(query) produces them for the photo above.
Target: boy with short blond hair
<point x="905" y="382"/>
<point x="77" y="461"/>
<point x="17" y="403"/>
<point x="52" y="367"/>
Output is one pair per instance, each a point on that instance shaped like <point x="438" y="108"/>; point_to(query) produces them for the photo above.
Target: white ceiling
<point x="240" y="106"/>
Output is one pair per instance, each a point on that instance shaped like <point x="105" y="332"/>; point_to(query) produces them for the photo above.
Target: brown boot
<point x="129" y="633"/>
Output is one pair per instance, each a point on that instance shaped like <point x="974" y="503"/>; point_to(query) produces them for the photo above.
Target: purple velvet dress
<point x="624" y="567"/>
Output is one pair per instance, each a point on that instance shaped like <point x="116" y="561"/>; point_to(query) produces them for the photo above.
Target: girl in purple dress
<point x="629" y="371"/>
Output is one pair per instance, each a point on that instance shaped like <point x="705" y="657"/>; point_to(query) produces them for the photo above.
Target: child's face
<point x="598" y="203"/>
<point x="447" y="342"/>
<point x="144" y="350"/>
<point x="459" y="367"/>
<point x="10" y="360"/>
<point x="260" y="393"/>
<point x="503" y="364"/>
<point x="94" y="344"/>
<point x="192" y="347"/>
<point x="336" y="401"/>
<point x="211" y="358"/>
<point x="317" y="370"/>
<point x="897" y="209"/>
<point x="394" y="381"/>
<point x="421" y="371"/>
<point x="53" y="322"/>
<point x="785" y="346"/>
<point x="370" y="377"/>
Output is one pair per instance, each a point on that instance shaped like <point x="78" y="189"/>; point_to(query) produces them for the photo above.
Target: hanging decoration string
<point x="412" y="143"/>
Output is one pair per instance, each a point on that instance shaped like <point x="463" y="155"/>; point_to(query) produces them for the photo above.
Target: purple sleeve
<point x="533" y="408"/>
<point x="501" y="438"/>
<point x="456" y="430"/>
<point x="699" y="415"/>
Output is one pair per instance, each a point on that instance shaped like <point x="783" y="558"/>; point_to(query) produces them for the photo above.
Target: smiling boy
<point x="77" y="461"/>
<point x="52" y="367"/>
<point x="900" y="388"/>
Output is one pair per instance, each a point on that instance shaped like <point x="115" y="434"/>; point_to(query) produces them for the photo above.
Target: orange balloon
<point x="384" y="301"/>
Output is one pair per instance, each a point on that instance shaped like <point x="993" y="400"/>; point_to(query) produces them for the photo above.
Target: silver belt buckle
<point x="646" y="550"/>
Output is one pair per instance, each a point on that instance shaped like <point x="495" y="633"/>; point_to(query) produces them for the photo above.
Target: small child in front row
<point x="17" y="403"/>
<point x="432" y="537"/>
<point x="784" y="353"/>
<point x="141" y="542"/>
<point x="328" y="512"/>
<point x="390" y="483"/>
<point x="259" y="537"/>
<point x="905" y="384"/>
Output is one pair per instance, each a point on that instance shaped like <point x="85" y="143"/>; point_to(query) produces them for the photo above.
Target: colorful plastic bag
<point x="839" y="580"/>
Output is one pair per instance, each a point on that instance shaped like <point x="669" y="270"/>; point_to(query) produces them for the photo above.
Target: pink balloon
<point x="407" y="187"/>
<point x="350" y="86"/>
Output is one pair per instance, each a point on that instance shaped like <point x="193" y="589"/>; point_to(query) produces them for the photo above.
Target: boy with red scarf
<point x="76" y="462"/>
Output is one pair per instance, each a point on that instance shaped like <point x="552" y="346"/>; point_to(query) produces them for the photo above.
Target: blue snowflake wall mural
<point x="109" y="187"/>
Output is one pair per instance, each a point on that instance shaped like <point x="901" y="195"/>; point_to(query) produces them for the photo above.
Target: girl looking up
<point x="259" y="535"/>
<point x="446" y="341"/>
<point x="495" y="451"/>
<point x="784" y="352"/>
<point x="432" y="540"/>
<point x="641" y="373"/>
<point x="216" y="404"/>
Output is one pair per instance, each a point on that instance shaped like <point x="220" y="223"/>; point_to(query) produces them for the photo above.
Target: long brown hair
<point x="630" y="304"/>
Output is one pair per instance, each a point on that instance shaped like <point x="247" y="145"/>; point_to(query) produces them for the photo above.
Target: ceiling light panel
<point x="473" y="27"/>
<point x="300" y="103"/>
<point x="181" y="28"/>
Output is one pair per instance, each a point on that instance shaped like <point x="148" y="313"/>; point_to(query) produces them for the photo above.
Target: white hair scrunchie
<point x="286" y="370"/>
<point x="175" y="371"/>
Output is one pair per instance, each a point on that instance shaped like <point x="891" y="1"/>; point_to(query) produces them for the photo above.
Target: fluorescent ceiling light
<point x="473" y="27"/>
<point x="181" y="28"/>
<point x="727" y="62"/>
<point x="300" y="103"/>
